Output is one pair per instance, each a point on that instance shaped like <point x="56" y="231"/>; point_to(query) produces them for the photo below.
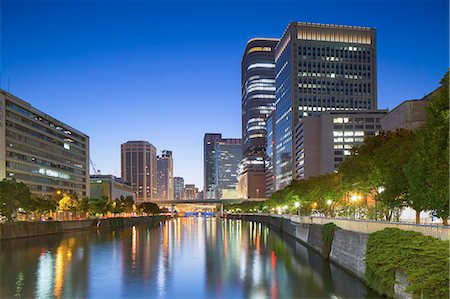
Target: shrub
<point x="327" y="238"/>
<point x="424" y="260"/>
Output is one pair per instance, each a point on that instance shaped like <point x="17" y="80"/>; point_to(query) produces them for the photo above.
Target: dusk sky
<point x="170" y="72"/>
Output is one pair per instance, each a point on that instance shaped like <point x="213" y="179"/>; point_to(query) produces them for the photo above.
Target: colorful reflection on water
<point x="183" y="258"/>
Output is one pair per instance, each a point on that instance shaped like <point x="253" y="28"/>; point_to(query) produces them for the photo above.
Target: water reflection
<point x="183" y="258"/>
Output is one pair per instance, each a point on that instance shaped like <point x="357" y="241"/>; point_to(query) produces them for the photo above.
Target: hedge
<point x="424" y="260"/>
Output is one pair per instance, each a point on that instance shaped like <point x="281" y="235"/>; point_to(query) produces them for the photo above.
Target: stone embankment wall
<point x="31" y="229"/>
<point x="348" y="247"/>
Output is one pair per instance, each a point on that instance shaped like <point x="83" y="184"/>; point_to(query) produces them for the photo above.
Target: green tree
<point x="99" y="205"/>
<point x="149" y="208"/>
<point x="117" y="206"/>
<point x="428" y="169"/>
<point x="128" y="204"/>
<point x="13" y="195"/>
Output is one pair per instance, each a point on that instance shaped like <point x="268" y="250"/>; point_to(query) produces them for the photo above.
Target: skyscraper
<point x="178" y="188"/>
<point x="165" y="175"/>
<point x="319" y="68"/>
<point x="228" y="155"/>
<point x="258" y="101"/>
<point x="209" y="170"/>
<point x="138" y="168"/>
<point x="190" y="191"/>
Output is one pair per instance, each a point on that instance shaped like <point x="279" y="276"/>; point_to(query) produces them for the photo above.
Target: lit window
<point x="338" y="133"/>
<point x="261" y="65"/>
<point x="348" y="133"/>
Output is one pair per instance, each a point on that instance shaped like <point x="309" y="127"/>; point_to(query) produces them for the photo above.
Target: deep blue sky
<point x="168" y="72"/>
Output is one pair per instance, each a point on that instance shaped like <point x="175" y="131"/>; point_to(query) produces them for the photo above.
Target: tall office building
<point x="319" y="68"/>
<point x="209" y="164"/>
<point x="165" y="175"/>
<point x="178" y="188"/>
<point x="268" y="159"/>
<point x="138" y="168"/>
<point x="258" y="101"/>
<point x="40" y="151"/>
<point x="228" y="155"/>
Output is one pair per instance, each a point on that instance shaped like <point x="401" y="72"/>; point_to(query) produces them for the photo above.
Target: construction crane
<point x="93" y="167"/>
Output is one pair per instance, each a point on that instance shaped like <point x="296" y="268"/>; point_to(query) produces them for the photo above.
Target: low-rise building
<point x="111" y="187"/>
<point x="46" y="154"/>
<point x="322" y="142"/>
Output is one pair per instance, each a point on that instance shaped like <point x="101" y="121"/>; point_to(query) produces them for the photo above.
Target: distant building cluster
<point x="308" y="98"/>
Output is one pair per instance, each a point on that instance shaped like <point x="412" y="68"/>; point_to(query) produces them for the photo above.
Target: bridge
<point x="215" y="201"/>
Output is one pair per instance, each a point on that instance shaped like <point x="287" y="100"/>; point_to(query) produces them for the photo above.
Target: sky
<point x="169" y="72"/>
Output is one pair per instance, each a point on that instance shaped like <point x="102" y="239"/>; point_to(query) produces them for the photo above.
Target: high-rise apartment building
<point x="165" y="175"/>
<point x="209" y="164"/>
<point x="138" y="168"/>
<point x="323" y="141"/>
<point x="228" y="155"/>
<point x="40" y="151"/>
<point x="258" y="101"/>
<point x="319" y="67"/>
<point x="178" y="188"/>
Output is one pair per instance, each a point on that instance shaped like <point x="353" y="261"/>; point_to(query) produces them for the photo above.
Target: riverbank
<point x="32" y="229"/>
<point x="345" y="244"/>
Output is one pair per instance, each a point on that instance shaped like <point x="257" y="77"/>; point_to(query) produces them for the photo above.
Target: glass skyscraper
<point x="228" y="155"/>
<point x="258" y="102"/>
<point x="178" y="188"/>
<point x="319" y="67"/>
<point x="209" y="164"/>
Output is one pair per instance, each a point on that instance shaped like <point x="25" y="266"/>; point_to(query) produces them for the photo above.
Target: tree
<point x="13" y="195"/>
<point x="99" y="205"/>
<point x="149" y="208"/>
<point x="128" y="204"/>
<point x="428" y="169"/>
<point x="117" y="206"/>
<point x="68" y="203"/>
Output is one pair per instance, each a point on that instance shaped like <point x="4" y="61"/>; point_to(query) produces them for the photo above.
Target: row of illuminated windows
<point x="357" y="120"/>
<point x="357" y="127"/>
<point x="44" y="180"/>
<point x="38" y="135"/>
<point x="38" y="161"/>
<point x="10" y="115"/>
<point x="44" y="172"/>
<point x="259" y="49"/>
<point x="38" y="148"/>
<point x="348" y="139"/>
<point x="32" y="115"/>
<point x="348" y="133"/>
<point x="356" y="53"/>
<point x="261" y="65"/>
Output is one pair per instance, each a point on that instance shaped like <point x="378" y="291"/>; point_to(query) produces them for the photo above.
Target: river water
<point x="182" y="258"/>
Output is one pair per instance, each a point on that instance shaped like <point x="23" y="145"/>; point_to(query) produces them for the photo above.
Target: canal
<point x="182" y="258"/>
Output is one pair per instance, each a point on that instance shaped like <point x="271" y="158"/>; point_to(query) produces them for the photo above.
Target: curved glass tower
<point x="258" y="102"/>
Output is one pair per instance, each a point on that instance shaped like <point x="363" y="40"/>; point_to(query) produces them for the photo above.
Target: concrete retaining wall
<point x="32" y="229"/>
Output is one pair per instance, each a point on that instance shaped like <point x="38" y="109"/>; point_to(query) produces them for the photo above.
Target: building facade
<point x="138" y="168"/>
<point x="228" y="155"/>
<point x="46" y="154"/>
<point x="165" y="175"/>
<point x="178" y="188"/>
<point x="323" y="141"/>
<point x="319" y="67"/>
<point x="190" y="191"/>
<point x="209" y="164"/>
<point x="111" y="187"/>
<point x="258" y="102"/>
<point x="268" y="160"/>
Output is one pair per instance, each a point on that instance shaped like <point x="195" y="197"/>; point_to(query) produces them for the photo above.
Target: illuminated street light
<point x="354" y="198"/>
<point x="329" y="202"/>
<point x="297" y="205"/>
